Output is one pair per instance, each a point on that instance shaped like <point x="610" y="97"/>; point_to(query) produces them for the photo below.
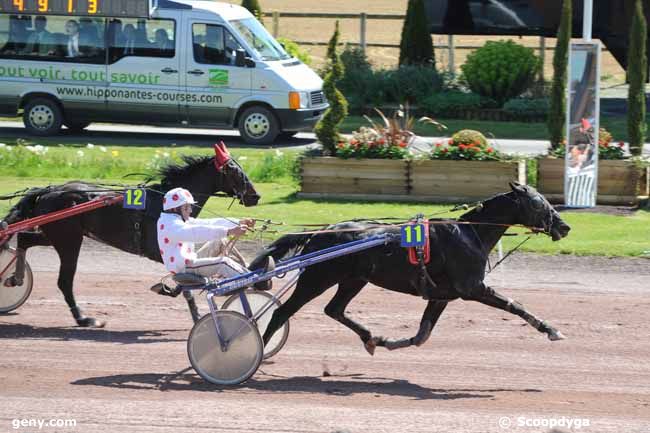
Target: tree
<point x="637" y="71"/>
<point x="416" y="47"/>
<point x="327" y="130"/>
<point x="557" y="108"/>
<point x="254" y="7"/>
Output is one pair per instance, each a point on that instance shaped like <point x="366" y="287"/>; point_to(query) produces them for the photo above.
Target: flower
<point x="115" y="153"/>
<point x="489" y="150"/>
<point x="278" y="153"/>
<point x="90" y="146"/>
<point x="3" y="145"/>
<point x="102" y="149"/>
<point x="462" y="146"/>
<point x="621" y="145"/>
<point x="242" y="158"/>
<point x="80" y="153"/>
<point x="438" y="144"/>
<point x="166" y="155"/>
<point x="402" y="144"/>
<point x="451" y="141"/>
<point x="445" y="150"/>
<point x="382" y="141"/>
<point x="340" y="145"/>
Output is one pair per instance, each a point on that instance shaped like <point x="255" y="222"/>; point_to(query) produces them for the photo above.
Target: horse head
<point x="536" y="212"/>
<point x="235" y="182"/>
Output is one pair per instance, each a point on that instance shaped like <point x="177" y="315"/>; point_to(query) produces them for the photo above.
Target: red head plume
<point x="222" y="156"/>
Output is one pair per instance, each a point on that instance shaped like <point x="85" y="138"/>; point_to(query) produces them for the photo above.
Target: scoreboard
<point x="92" y="8"/>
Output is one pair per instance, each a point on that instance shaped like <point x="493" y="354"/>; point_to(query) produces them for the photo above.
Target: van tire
<point x="76" y="126"/>
<point x="258" y="125"/>
<point x="42" y="117"/>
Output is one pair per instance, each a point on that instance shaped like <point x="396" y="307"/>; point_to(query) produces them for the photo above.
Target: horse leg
<point x="24" y="241"/>
<point x="304" y="293"/>
<point x="67" y="238"/>
<point x="496" y="300"/>
<point x="191" y="303"/>
<point x="427" y="323"/>
<point x="336" y="308"/>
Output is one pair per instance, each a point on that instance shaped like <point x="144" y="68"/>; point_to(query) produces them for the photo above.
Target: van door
<point x="144" y="70"/>
<point x="215" y="86"/>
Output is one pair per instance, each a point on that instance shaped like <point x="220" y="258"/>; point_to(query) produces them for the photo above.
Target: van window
<point x="141" y="38"/>
<point x="259" y="39"/>
<point x="52" y="38"/>
<point x="213" y="45"/>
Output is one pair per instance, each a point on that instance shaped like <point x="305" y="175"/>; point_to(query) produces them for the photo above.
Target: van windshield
<point x="258" y="38"/>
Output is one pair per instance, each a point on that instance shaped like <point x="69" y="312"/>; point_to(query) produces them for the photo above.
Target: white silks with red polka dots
<point x="176" y="238"/>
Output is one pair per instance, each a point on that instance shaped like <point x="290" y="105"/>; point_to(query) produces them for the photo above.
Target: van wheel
<point x="258" y="125"/>
<point x="76" y="126"/>
<point x="42" y="117"/>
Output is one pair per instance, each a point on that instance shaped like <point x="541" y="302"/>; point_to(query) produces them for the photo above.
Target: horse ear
<point x="516" y="187"/>
<point x="222" y="156"/>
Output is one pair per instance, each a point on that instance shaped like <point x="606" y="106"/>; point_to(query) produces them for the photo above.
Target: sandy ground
<point x="480" y="365"/>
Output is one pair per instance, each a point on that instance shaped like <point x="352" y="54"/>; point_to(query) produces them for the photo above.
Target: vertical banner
<point x="583" y="120"/>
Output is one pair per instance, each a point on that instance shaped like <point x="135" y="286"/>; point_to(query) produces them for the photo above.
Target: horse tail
<point x="23" y="209"/>
<point x="280" y="248"/>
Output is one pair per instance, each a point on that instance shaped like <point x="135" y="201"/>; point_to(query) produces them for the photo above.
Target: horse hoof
<point x="370" y="346"/>
<point x="554" y="335"/>
<point x="89" y="322"/>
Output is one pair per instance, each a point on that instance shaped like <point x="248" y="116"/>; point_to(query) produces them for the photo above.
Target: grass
<point x="592" y="234"/>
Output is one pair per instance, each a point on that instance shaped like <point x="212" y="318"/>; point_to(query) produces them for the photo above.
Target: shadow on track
<point x="20" y="331"/>
<point x="350" y="386"/>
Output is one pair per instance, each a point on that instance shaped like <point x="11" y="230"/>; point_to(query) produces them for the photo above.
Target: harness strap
<point x="420" y="256"/>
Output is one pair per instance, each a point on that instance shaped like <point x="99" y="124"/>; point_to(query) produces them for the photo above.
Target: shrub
<point x="365" y="87"/>
<point x="450" y="103"/>
<point x="412" y="84"/>
<point x="637" y="73"/>
<point x="254" y="7"/>
<point x="327" y="129"/>
<point x="501" y="70"/>
<point x="557" y="111"/>
<point x="466" y="145"/>
<point x="295" y="50"/>
<point x="274" y="166"/>
<point x="416" y="46"/>
<point x="360" y="84"/>
<point x="527" y="107"/>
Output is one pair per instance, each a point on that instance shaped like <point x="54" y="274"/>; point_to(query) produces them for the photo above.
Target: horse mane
<point x="478" y="207"/>
<point x="172" y="173"/>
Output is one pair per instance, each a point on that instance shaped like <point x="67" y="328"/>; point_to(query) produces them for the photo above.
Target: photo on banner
<point x="581" y="170"/>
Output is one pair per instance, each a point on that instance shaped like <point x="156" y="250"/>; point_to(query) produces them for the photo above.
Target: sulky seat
<point x="187" y="279"/>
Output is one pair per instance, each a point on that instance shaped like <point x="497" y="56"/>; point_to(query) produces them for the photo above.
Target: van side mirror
<point x="242" y="61"/>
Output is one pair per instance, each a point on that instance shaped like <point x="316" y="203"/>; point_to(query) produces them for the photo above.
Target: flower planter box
<point x="434" y="181"/>
<point x="329" y="177"/>
<point x="619" y="182"/>
<point x="463" y="181"/>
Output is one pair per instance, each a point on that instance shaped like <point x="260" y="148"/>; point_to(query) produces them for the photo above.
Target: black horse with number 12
<point x="133" y="231"/>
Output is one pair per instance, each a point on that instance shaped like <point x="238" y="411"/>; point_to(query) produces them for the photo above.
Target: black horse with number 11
<point x="459" y="253"/>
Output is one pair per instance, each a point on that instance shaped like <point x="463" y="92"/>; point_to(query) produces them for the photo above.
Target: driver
<point x="178" y="232"/>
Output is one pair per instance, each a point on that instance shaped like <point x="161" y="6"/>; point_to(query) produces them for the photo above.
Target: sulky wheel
<point x="258" y="300"/>
<point x="13" y="297"/>
<point x="230" y="365"/>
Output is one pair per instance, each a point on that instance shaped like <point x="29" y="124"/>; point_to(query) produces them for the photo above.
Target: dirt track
<point x="480" y="364"/>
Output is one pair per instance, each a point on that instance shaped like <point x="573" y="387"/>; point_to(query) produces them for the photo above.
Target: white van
<point x="185" y="62"/>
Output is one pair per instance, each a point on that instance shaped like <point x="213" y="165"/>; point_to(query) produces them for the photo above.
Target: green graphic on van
<point x="219" y="78"/>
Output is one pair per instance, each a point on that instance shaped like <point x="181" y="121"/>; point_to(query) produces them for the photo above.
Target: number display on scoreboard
<point x="93" y="8"/>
